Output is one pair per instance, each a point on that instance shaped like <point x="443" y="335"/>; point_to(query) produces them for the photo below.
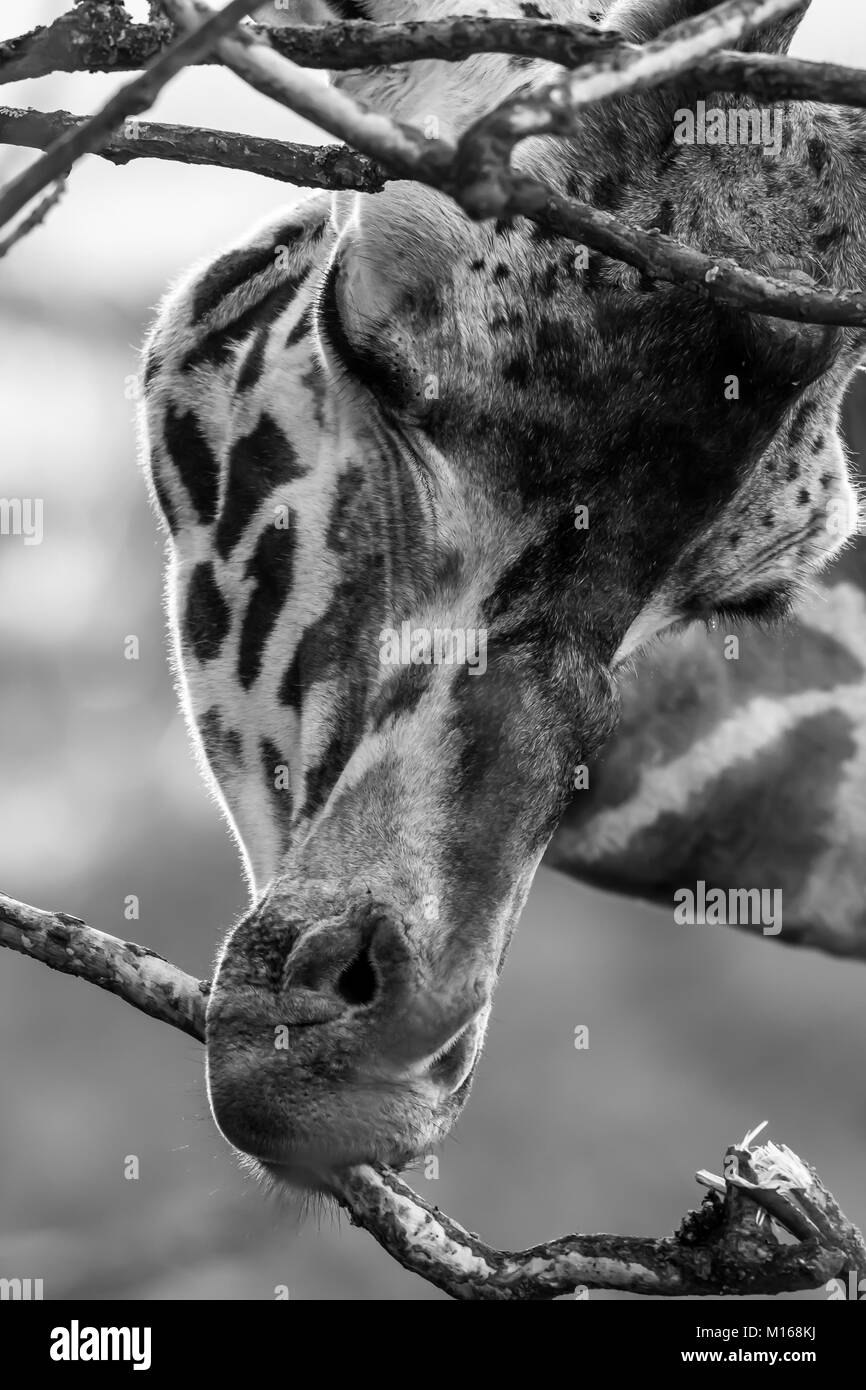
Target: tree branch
<point x="727" y="1247"/>
<point x="139" y="976"/>
<point x="131" y="100"/>
<point x="477" y="173"/>
<point x="311" y="166"/>
<point x="98" y="36"/>
<point x="484" y="185"/>
<point x="554" y="107"/>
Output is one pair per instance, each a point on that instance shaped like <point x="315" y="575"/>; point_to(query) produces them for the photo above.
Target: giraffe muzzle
<point x="338" y="1041"/>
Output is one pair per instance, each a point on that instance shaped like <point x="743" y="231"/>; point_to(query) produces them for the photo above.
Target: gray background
<point x="695" y="1034"/>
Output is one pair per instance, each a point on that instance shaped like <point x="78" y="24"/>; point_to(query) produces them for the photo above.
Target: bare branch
<point x="728" y="1247"/>
<point x="768" y="77"/>
<point x="96" y="37"/>
<point x="554" y="107"/>
<point x="719" y="1250"/>
<point x="309" y="166"/>
<point x="131" y="100"/>
<point x="478" y="176"/>
<point x="674" y="52"/>
<point x="34" y="218"/>
<point x="402" y="148"/>
<point x="666" y="259"/>
<point x="139" y="976"/>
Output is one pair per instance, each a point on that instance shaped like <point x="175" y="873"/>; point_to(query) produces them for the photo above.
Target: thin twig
<point x="402" y="148"/>
<point x="485" y="186"/>
<point x="721" y="1249"/>
<point x="554" y="107"/>
<point x="34" y="219"/>
<point x="131" y="100"/>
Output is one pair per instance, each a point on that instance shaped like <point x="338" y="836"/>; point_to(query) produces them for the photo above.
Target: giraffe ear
<point x="642" y="20"/>
<point x="381" y="304"/>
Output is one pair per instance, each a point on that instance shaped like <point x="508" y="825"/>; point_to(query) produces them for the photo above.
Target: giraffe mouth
<point x="447" y="1077"/>
<point x="451" y="1066"/>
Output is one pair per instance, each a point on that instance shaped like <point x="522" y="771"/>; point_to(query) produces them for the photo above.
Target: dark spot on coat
<point x="214" y="347"/>
<point x="516" y="370"/>
<point x="301" y="328"/>
<point x="228" y="273"/>
<point x="223" y="746"/>
<point x="819" y="155"/>
<point x="206" y="619"/>
<point x="823" y="241"/>
<point x="253" y="362"/>
<point x="272" y="567"/>
<point x="665" y="218"/>
<point x="259" y="462"/>
<point x="400" y="694"/>
<point x="194" y="461"/>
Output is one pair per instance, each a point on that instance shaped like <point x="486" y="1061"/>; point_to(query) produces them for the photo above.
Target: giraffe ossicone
<point x="318" y="492"/>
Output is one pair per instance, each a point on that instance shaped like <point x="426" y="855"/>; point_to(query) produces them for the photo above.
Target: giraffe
<point x="743" y="765"/>
<point x="372" y="419"/>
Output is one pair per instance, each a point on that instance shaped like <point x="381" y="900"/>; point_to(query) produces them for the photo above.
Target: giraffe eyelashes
<point x="358" y="984"/>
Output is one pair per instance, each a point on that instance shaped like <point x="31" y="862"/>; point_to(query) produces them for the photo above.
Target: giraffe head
<point x="483" y="431"/>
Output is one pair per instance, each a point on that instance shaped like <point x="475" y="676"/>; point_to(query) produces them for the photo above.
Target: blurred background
<point x="694" y="1037"/>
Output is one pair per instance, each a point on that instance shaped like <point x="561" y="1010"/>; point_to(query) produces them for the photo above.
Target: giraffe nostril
<point x="358" y="984"/>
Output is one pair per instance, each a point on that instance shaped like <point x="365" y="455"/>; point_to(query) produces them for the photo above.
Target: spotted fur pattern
<point x="371" y="411"/>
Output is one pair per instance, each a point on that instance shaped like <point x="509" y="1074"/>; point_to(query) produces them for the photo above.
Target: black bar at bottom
<point x="257" y="1340"/>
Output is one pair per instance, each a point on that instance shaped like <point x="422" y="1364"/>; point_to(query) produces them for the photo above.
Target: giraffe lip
<point x="248" y="1007"/>
<point x="450" y="1067"/>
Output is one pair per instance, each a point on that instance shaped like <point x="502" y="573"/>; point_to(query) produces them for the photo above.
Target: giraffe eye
<point x="358" y="984"/>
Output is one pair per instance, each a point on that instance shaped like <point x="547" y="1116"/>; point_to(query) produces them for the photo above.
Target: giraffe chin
<point x="315" y="1171"/>
<point x="312" y="1166"/>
